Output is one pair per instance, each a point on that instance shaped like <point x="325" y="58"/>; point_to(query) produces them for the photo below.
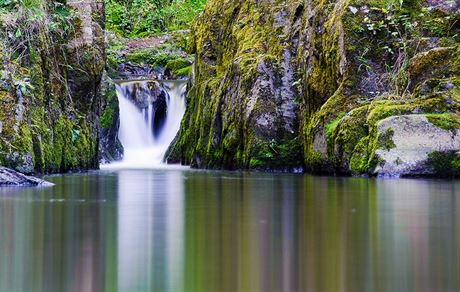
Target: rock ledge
<point x="11" y="178"/>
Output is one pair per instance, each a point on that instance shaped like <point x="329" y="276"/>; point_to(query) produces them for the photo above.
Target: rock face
<point x="11" y="178"/>
<point x="282" y="84"/>
<point x="49" y="96"/>
<point x="110" y="148"/>
<point x="243" y="108"/>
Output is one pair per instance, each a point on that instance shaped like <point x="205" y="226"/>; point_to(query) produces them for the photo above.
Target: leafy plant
<point x="140" y="18"/>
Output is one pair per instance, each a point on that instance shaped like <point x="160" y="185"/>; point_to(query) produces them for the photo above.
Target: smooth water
<point x="175" y="230"/>
<point x="143" y="149"/>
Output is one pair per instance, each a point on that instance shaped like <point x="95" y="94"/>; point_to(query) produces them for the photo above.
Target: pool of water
<point x="181" y="230"/>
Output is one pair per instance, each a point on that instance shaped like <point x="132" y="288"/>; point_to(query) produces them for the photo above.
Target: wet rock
<point x="128" y="71"/>
<point x="9" y="177"/>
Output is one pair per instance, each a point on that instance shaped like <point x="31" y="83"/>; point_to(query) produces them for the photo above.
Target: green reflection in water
<point x="59" y="239"/>
<point x="174" y="230"/>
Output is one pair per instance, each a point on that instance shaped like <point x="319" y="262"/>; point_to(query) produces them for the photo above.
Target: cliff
<point x="347" y="86"/>
<point x="52" y="62"/>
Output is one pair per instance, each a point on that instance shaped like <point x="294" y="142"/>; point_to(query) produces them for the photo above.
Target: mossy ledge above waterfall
<point x="345" y="86"/>
<point x="162" y="56"/>
<point x="52" y="61"/>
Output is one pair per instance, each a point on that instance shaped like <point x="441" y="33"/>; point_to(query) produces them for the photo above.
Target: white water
<point x="141" y="148"/>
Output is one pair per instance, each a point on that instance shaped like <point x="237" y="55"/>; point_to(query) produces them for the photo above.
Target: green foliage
<point x="444" y="164"/>
<point x="391" y="32"/>
<point x="277" y="155"/>
<point x="140" y="18"/>
<point x="394" y="24"/>
<point x="23" y="20"/>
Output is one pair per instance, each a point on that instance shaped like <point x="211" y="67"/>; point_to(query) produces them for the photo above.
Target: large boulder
<point x="406" y="143"/>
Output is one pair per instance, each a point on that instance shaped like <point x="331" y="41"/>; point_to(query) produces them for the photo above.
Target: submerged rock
<point x="9" y="177"/>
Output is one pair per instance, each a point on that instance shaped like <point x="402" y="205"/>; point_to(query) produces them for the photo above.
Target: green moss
<point x="332" y="125"/>
<point x="385" y="140"/>
<point x="177" y="64"/>
<point x="448" y="122"/>
<point x="143" y="56"/>
<point x="351" y="130"/>
<point x="359" y="161"/>
<point x="275" y="155"/>
<point x="435" y="63"/>
<point x="107" y="118"/>
<point x="179" y="67"/>
<point x="444" y="164"/>
<point x="184" y="72"/>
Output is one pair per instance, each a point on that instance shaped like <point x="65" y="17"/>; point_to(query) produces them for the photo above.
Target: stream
<point x="183" y="230"/>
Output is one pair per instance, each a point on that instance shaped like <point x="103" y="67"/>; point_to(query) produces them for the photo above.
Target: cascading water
<point x="148" y="124"/>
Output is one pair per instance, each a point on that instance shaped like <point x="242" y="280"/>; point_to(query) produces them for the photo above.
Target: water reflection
<point x="150" y="226"/>
<point x="54" y="239"/>
<point x="215" y="231"/>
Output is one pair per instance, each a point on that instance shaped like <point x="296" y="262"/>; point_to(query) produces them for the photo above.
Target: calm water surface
<point x="175" y="230"/>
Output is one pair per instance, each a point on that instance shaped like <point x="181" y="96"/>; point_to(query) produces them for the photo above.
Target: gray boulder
<point x="9" y="177"/>
<point x="410" y="139"/>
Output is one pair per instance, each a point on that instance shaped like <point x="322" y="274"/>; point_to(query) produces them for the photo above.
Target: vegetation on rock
<point x="444" y="164"/>
<point x="141" y="18"/>
<point x="48" y="88"/>
<point x="321" y="73"/>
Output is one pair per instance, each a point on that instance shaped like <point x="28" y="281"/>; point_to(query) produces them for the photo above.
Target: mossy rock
<point x="178" y="68"/>
<point x="437" y="63"/>
<point x="446" y="121"/>
<point x="49" y="102"/>
<point x="347" y="65"/>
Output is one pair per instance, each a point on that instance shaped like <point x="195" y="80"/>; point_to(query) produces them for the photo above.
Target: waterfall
<point x="149" y="121"/>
